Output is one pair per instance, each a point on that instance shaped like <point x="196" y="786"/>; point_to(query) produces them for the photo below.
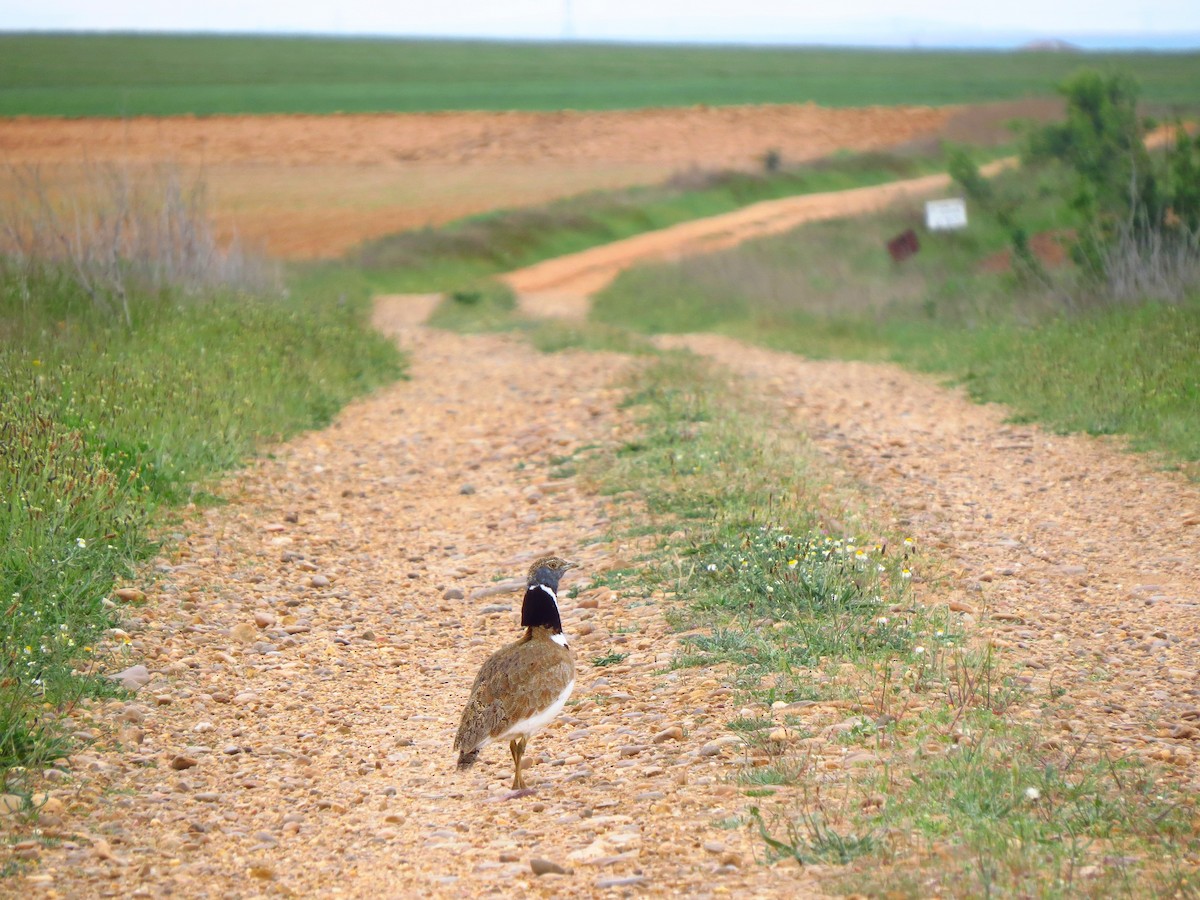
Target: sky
<point x="1089" y="23"/>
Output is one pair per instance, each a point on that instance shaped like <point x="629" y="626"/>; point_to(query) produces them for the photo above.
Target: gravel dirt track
<point x="309" y="654"/>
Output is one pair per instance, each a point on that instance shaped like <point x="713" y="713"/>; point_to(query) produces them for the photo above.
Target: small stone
<point x="244" y="632"/>
<point x="264" y="873"/>
<point x="714" y="847"/>
<point x="181" y="762"/>
<point x="674" y="733"/>
<point x="715" y="747"/>
<point x="129" y="595"/>
<point x="131" y="735"/>
<point x="625" y="881"/>
<point x="546" y="867"/>
<point x="453" y="594"/>
<point x="467" y="489"/>
<point x="264" y="619"/>
<point x="133" y="678"/>
<point x="11" y="804"/>
<point x="319" y="581"/>
<point x="493" y="609"/>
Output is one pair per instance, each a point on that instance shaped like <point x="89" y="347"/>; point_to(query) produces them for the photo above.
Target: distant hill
<point x="1051" y="45"/>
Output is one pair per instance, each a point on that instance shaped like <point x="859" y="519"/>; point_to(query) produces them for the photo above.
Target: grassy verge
<point x="881" y="739"/>
<point x="103" y="425"/>
<point x="957" y="308"/>
<point x="489" y="306"/>
<point x="126" y="74"/>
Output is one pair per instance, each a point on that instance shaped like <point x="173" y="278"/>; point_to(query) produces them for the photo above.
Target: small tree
<point x="1183" y="181"/>
<point x="1103" y="142"/>
<point x="1140" y="214"/>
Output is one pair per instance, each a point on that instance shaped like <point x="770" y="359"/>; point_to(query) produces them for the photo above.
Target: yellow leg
<point x="517" y="748"/>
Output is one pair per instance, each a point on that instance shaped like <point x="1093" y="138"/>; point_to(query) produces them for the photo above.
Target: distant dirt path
<point x="562" y="287"/>
<point x="1081" y="560"/>
<point x="311" y="646"/>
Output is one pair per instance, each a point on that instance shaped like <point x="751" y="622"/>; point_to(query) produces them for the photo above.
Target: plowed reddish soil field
<point x="313" y="186"/>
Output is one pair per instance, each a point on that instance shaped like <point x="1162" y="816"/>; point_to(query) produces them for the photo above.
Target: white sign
<point x="946" y="215"/>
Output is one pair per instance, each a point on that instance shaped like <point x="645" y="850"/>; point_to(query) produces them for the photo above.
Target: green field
<point x="117" y="75"/>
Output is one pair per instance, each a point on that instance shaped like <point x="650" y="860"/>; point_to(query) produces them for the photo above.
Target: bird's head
<point x="548" y="570"/>
<point x="540" y="606"/>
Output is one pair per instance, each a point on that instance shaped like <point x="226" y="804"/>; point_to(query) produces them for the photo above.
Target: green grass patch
<point x="477" y="308"/>
<point x="124" y="74"/>
<point x="771" y="590"/>
<point x="102" y="426"/>
<point x="554" y="336"/>
<point x="610" y="659"/>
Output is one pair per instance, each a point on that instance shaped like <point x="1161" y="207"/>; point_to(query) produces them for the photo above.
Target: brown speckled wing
<point x="515" y="683"/>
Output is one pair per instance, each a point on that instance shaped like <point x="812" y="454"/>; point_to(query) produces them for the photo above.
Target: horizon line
<point x="1000" y="41"/>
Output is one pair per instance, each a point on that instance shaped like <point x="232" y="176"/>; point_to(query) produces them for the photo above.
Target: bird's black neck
<point x="539" y="609"/>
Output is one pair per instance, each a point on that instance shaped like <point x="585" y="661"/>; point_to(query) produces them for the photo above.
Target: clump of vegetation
<point x="482" y="306"/>
<point x="1137" y="212"/>
<point x="127" y="382"/>
<point x="124" y="233"/>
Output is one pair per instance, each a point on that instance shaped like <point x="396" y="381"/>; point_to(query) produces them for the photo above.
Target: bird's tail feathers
<point x="466" y="760"/>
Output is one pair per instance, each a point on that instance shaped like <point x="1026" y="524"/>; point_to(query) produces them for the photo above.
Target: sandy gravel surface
<point x="310" y="645"/>
<point x="1081" y="561"/>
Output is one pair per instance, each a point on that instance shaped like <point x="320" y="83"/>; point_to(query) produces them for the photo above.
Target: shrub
<point x="125" y="234"/>
<point x="1139" y="213"/>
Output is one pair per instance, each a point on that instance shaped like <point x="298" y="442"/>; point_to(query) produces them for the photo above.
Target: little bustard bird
<point x="522" y="687"/>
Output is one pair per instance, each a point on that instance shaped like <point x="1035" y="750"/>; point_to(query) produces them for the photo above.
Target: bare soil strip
<point x="1081" y="561"/>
